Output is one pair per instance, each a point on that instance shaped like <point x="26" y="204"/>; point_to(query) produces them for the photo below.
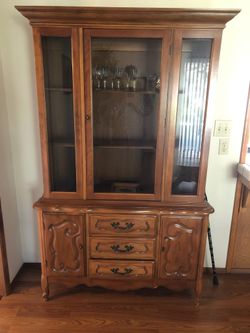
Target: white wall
<point x="19" y="81"/>
<point x="8" y="190"/>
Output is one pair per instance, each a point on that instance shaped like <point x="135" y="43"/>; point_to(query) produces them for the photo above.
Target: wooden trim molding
<point x="239" y="190"/>
<point x="133" y="16"/>
<point x="4" y="270"/>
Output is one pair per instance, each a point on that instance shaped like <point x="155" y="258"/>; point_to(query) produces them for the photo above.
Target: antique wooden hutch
<point x="124" y="97"/>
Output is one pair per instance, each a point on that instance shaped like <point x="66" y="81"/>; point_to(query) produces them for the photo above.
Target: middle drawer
<point x="117" y="248"/>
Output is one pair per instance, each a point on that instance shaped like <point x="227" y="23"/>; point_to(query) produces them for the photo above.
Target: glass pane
<point x="59" y="111"/>
<point x="193" y="83"/>
<point x="125" y="100"/>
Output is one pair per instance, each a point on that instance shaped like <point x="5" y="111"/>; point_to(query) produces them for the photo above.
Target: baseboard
<point x="218" y="270"/>
<point x="33" y="265"/>
<point x="240" y="271"/>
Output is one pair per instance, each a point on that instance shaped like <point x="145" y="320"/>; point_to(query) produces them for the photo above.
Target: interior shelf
<point x="62" y="143"/>
<point x="69" y="90"/>
<point x="125" y="144"/>
<point x="136" y="92"/>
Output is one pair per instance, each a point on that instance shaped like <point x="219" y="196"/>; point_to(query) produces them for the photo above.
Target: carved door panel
<point x="64" y="244"/>
<point x="180" y="247"/>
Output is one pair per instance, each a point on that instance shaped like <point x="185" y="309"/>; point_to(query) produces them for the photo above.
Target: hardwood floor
<point x="224" y="309"/>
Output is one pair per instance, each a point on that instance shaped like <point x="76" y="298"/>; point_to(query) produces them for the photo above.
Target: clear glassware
<point x="111" y="78"/>
<point x="97" y="76"/>
<point x="118" y="77"/>
<point x="131" y="71"/>
<point x="105" y="73"/>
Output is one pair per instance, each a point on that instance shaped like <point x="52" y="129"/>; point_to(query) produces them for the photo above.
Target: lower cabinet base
<point x="122" y="286"/>
<point x="123" y="249"/>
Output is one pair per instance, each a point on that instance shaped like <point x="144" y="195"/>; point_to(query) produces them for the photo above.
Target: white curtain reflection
<point x="191" y="108"/>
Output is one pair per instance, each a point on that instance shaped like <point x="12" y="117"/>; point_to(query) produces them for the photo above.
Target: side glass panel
<point x="193" y="82"/>
<point x="125" y="102"/>
<point x="59" y="112"/>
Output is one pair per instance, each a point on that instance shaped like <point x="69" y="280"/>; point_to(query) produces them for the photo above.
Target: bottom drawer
<point x="112" y="269"/>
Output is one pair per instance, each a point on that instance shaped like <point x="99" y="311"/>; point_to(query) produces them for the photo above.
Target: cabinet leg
<point x="45" y="288"/>
<point x="198" y="289"/>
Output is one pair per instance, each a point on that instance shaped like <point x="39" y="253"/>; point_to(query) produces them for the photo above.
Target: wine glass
<point x="118" y="77"/>
<point x="97" y="76"/>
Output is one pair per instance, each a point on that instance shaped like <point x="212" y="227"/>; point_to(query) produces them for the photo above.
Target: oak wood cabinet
<point x="180" y="240"/>
<point x="124" y="97"/>
<point x="64" y="240"/>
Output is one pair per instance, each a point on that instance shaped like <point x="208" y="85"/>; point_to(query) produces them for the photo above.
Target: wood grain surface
<point x="223" y="309"/>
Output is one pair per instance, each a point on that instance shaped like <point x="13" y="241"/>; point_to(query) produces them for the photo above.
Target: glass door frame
<point x="165" y="35"/>
<point x="179" y="35"/>
<point x="73" y="33"/>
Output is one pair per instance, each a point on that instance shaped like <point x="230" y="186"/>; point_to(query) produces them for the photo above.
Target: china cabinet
<point x="124" y="97"/>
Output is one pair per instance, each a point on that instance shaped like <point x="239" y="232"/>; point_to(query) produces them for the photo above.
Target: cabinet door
<point x="64" y="238"/>
<point x="126" y="87"/>
<point x="57" y="81"/>
<point x="180" y="239"/>
<point x="195" y="61"/>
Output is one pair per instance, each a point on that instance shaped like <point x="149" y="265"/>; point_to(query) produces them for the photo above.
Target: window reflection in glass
<point x="193" y="81"/>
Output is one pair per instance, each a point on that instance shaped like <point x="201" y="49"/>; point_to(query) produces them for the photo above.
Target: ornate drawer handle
<point x="126" y="271"/>
<point x="127" y="248"/>
<point x="127" y="227"/>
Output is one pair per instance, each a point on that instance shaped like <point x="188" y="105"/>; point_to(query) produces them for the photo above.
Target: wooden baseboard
<point x="240" y="271"/>
<point x="218" y="270"/>
<point x="33" y="265"/>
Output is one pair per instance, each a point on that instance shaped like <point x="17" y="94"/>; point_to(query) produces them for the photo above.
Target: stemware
<point x="118" y="77"/>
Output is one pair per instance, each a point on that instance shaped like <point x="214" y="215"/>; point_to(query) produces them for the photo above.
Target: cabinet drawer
<point x="123" y="225"/>
<point x="122" y="248"/>
<point x="113" y="269"/>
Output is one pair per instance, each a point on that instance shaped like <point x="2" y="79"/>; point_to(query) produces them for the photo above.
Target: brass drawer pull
<point x="117" y="271"/>
<point x="127" y="248"/>
<point x="128" y="226"/>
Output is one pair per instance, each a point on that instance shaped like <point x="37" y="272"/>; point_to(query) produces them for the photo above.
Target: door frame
<point x="4" y="269"/>
<point x="238" y="191"/>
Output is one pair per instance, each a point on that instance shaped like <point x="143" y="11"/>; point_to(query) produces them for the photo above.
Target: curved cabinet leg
<point x="44" y="280"/>
<point x="45" y="288"/>
<point x="198" y="285"/>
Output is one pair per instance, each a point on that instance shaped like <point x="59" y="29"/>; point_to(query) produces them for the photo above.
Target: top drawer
<point x="123" y="225"/>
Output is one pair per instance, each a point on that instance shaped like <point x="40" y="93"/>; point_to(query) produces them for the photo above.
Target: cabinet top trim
<point x="158" y="17"/>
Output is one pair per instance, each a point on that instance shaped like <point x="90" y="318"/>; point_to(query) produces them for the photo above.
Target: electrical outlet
<point x="223" y="146"/>
<point x="222" y="128"/>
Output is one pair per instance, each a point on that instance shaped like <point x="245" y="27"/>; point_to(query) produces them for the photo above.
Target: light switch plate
<point x="223" y="146"/>
<point x="222" y="128"/>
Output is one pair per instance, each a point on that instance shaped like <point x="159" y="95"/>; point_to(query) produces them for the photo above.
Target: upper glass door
<point x="57" y="65"/>
<point x="195" y="69"/>
<point x="125" y="99"/>
<point x="193" y="83"/>
<point x="57" y="69"/>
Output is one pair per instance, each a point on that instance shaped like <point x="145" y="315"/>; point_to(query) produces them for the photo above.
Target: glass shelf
<point x="62" y="144"/>
<point x="69" y="90"/>
<point x="111" y="91"/>
<point x="125" y="144"/>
